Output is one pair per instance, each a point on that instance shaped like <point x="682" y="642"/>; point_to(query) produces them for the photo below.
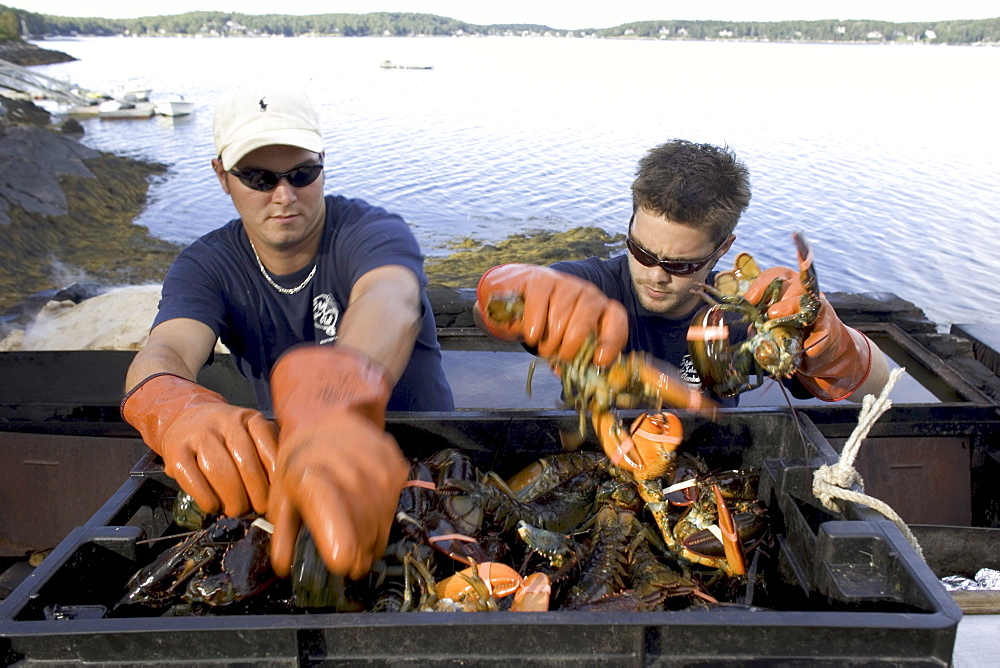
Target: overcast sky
<point x="566" y="14"/>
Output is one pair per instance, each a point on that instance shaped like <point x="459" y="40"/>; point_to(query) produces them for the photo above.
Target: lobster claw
<point x="711" y="353"/>
<point x="718" y="546"/>
<point x="736" y="559"/>
<point x="647" y="450"/>
<point x="807" y="273"/>
<point x="663" y="383"/>
<point x="533" y="595"/>
<point x="446" y="539"/>
<point x="498" y="580"/>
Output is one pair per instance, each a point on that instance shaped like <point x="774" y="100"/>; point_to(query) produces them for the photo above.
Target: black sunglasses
<point x="265" y="180"/>
<point x="676" y="267"/>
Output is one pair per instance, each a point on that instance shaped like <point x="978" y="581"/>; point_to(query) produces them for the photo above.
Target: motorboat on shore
<point x="173" y="105"/>
<point x="113" y="109"/>
<point x="132" y="91"/>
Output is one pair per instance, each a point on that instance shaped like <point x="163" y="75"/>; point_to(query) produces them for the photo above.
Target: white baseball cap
<point x="249" y="118"/>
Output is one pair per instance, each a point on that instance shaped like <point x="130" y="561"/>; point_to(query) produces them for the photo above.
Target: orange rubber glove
<point x="220" y="454"/>
<point x="837" y="358"/>
<point x="338" y="470"/>
<point x="560" y="310"/>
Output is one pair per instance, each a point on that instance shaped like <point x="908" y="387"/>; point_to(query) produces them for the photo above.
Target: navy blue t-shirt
<point x="216" y="281"/>
<point x="663" y="337"/>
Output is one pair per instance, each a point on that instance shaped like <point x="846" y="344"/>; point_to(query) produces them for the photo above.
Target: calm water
<point x="886" y="156"/>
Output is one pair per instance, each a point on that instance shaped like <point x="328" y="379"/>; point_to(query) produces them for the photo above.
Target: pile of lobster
<point x="569" y="532"/>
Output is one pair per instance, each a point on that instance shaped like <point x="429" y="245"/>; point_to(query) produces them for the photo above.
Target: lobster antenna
<point x="186" y="534"/>
<point x="795" y="414"/>
<point x="638" y="423"/>
<point x="784" y="391"/>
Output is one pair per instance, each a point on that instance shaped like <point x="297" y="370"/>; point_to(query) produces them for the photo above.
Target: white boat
<point x="119" y="109"/>
<point x="133" y="91"/>
<point x="173" y="105"/>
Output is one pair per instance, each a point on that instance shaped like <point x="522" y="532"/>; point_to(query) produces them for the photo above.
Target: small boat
<point x="389" y="65"/>
<point x="85" y="110"/>
<point x="119" y="109"/>
<point x="133" y="91"/>
<point x="173" y="105"/>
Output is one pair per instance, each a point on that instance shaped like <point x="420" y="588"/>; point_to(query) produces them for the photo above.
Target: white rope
<point x="832" y="482"/>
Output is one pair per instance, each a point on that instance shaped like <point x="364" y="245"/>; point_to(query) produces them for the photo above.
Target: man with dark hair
<point x="686" y="201"/>
<point x="321" y="302"/>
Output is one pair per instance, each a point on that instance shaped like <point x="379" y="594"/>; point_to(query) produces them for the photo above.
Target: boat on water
<point x="173" y="105"/>
<point x="134" y="90"/>
<point x="113" y="109"/>
<point x="389" y="65"/>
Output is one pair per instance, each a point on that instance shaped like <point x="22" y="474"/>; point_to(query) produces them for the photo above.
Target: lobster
<point x="709" y="533"/>
<point x="632" y="380"/>
<point x="606" y="567"/>
<point x="218" y="565"/>
<point x="775" y="345"/>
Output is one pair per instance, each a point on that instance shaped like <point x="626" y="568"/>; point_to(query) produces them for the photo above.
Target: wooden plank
<point x="978" y="602"/>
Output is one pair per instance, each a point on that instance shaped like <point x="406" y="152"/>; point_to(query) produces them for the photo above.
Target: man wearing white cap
<point x="321" y="301"/>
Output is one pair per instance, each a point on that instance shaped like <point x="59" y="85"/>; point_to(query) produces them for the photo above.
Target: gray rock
<point x="71" y="126"/>
<point x="34" y="159"/>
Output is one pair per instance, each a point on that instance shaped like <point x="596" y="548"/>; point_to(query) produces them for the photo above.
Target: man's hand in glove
<point x="560" y="310"/>
<point x="338" y="470"/>
<point x="220" y="454"/>
<point x="838" y="361"/>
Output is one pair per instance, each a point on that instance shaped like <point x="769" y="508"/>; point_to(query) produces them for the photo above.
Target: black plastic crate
<point x="857" y="592"/>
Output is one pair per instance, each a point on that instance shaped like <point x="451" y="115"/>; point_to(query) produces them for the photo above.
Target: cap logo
<point x="263" y="106"/>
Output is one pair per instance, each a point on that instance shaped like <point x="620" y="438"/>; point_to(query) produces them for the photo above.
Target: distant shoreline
<point x="409" y="24"/>
<point x="621" y="38"/>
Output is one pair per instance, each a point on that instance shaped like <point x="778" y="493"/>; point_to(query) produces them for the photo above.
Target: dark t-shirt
<point x="663" y="337"/>
<point x="216" y="281"/>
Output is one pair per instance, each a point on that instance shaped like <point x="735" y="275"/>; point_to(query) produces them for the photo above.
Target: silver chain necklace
<point x="284" y="291"/>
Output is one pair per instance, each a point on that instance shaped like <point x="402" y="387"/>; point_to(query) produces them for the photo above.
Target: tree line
<point x="978" y="31"/>
<point x="17" y="23"/>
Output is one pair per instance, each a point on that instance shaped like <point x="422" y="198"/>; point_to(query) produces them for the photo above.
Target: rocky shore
<point x="26" y="55"/>
<point x="66" y="211"/>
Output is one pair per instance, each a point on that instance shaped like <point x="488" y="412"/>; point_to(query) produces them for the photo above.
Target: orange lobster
<point x="632" y="380"/>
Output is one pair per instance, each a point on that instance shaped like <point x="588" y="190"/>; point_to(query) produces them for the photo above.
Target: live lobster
<point x="774" y="346"/>
<point x="632" y="380"/>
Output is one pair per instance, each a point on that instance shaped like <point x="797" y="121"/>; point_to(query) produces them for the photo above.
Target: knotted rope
<point x="832" y="482"/>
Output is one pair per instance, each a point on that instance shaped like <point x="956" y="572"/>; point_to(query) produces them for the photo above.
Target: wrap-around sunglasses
<point x="265" y="180"/>
<point x="676" y="267"/>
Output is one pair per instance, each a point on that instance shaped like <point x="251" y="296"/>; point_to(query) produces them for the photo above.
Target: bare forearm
<point x="179" y="347"/>
<point x="156" y="359"/>
<point x="383" y="321"/>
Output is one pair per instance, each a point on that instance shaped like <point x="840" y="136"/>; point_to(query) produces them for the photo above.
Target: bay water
<point x="885" y="156"/>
